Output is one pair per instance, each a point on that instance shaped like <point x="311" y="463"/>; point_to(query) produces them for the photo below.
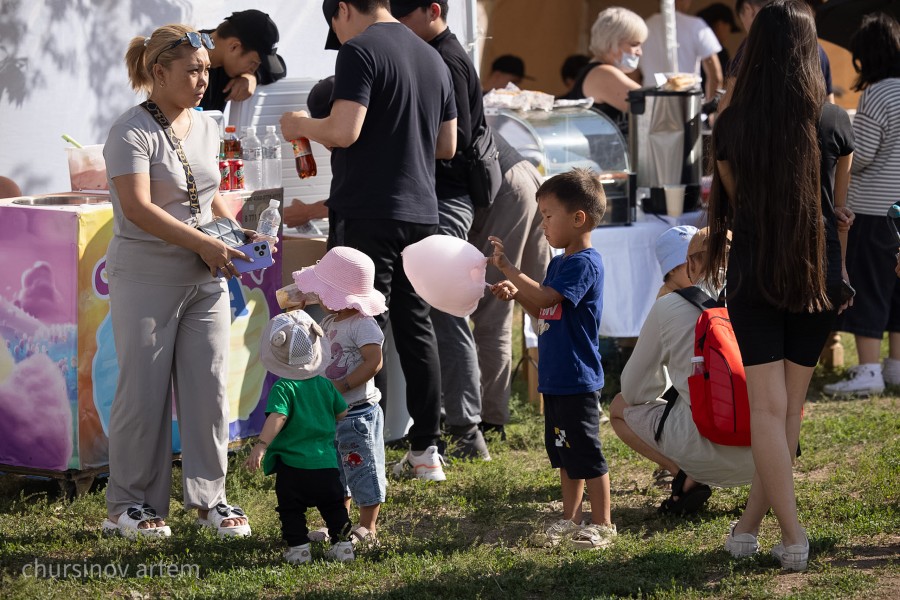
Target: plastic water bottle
<point x="698" y="368"/>
<point x="270" y="221"/>
<point x="251" y="149"/>
<point x="271" y="146"/>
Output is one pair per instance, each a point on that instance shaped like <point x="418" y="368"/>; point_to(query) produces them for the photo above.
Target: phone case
<point x="261" y="254"/>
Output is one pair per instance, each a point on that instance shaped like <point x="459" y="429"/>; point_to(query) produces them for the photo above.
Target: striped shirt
<point x="875" y="176"/>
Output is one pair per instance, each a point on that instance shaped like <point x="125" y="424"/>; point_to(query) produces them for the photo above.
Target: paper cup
<point x="674" y="200"/>
<point x="87" y="168"/>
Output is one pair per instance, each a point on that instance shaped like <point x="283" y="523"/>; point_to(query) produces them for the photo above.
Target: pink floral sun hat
<point x="343" y="278"/>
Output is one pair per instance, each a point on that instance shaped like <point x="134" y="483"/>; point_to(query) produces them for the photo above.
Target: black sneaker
<point x="468" y="446"/>
<point x="489" y="430"/>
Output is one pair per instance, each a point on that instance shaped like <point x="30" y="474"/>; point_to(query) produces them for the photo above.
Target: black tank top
<point x="617" y="116"/>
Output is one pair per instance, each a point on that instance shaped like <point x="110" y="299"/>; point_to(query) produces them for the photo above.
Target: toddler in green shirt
<point x="297" y="439"/>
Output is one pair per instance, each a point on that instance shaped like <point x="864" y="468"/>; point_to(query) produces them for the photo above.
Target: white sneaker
<point x="792" y="558"/>
<point x="742" y="544"/>
<point x="429" y="466"/>
<point x="297" y="555"/>
<point x="594" y="536"/>
<point x="556" y="533"/>
<point x="863" y="380"/>
<point x="340" y="552"/>
<point x="890" y="370"/>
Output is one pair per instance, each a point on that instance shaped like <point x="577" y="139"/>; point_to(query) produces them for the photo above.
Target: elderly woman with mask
<point x="616" y="39"/>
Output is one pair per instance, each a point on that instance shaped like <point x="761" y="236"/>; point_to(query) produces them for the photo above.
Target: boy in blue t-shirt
<point x="568" y="305"/>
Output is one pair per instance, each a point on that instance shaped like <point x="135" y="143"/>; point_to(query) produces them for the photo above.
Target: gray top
<point x="137" y="144"/>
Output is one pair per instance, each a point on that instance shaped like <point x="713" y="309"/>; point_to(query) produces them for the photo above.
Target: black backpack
<point x="482" y="161"/>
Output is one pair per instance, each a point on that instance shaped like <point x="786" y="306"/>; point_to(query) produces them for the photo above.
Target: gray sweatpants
<point x="514" y="218"/>
<point x="168" y="338"/>
<point x="460" y="378"/>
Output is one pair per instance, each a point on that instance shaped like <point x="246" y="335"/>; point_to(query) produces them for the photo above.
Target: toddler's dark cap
<point x="319" y="99"/>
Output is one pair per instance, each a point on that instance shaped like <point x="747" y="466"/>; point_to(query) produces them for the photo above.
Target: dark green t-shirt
<point x="307" y="439"/>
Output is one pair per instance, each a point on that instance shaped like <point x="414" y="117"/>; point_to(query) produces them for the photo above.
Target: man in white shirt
<point x="697" y="47"/>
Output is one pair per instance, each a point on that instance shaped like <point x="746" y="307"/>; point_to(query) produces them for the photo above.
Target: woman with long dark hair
<point x="778" y="148"/>
<point x="872" y="246"/>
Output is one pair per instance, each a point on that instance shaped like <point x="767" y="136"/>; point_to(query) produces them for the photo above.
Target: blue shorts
<point x="572" y="434"/>
<point x="360" y="448"/>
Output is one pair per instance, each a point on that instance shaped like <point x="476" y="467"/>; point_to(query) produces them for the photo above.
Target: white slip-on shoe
<point x="793" y="558"/>
<point x="862" y="381"/>
<point x="742" y="544"/>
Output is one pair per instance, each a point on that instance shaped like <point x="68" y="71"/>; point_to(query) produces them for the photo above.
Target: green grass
<point x="469" y="537"/>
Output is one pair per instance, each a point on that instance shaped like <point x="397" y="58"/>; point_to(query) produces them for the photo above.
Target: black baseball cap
<point x="509" y="63"/>
<point x="329" y="9"/>
<point x="258" y="32"/>
<point x="401" y="8"/>
<point x="719" y="12"/>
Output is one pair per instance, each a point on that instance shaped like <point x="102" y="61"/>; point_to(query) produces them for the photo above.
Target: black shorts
<point x="871" y="259"/>
<point x="572" y="434"/>
<point x="766" y="333"/>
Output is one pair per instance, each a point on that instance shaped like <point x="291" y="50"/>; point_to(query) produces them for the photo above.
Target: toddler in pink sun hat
<point x="344" y="281"/>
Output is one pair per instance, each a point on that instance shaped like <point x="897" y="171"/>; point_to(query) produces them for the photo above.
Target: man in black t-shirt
<point x="244" y="56"/>
<point x="393" y="115"/>
<point x="460" y="379"/>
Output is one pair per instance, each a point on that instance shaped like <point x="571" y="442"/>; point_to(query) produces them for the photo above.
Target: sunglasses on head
<point x="194" y="38"/>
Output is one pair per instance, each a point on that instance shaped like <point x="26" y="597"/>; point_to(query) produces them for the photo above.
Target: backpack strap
<point x="670" y="396"/>
<point x="698" y="297"/>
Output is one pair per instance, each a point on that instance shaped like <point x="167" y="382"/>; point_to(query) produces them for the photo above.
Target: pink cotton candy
<point x="36" y="428"/>
<point x="447" y="272"/>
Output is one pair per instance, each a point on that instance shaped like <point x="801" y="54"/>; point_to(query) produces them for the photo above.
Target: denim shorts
<point x="360" y="448"/>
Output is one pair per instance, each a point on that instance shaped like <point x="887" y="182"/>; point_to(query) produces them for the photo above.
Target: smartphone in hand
<point x="847" y="291"/>
<point x="259" y="253"/>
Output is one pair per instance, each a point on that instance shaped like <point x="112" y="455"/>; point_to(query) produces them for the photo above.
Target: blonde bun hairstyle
<point x="143" y="53"/>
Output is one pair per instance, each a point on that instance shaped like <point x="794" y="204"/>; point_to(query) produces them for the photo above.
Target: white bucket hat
<point x="293" y="346"/>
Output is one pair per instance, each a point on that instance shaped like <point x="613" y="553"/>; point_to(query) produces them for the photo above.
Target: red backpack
<point x="719" y="402"/>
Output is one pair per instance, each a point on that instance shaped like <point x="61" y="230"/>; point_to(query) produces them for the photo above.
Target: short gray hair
<point x="612" y="27"/>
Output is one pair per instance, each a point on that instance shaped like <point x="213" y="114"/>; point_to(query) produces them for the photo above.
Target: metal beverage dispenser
<point x="665" y="144"/>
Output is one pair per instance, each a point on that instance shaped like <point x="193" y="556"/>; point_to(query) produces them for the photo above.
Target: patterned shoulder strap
<point x="157" y="114"/>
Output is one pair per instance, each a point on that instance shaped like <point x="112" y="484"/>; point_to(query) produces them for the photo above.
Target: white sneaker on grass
<point x="561" y="530"/>
<point x="427" y="466"/>
<point x="793" y="558"/>
<point x="742" y="544"/>
<point x="340" y="552"/>
<point x="862" y="381"/>
<point x="594" y="536"/>
<point x="297" y="555"/>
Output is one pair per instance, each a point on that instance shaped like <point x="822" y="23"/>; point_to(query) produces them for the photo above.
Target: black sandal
<point x="687" y="503"/>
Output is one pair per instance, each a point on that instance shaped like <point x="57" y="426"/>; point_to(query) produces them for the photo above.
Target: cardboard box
<point x="298" y="253"/>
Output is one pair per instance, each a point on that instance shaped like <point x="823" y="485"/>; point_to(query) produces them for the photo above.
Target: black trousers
<point x="298" y="490"/>
<point x="383" y="240"/>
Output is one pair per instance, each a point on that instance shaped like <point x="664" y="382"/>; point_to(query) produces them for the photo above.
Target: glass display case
<point x="565" y="138"/>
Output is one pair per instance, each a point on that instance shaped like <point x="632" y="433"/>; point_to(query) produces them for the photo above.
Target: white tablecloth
<point x="631" y="272"/>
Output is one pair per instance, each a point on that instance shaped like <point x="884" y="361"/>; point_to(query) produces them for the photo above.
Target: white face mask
<point x="628" y="62"/>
